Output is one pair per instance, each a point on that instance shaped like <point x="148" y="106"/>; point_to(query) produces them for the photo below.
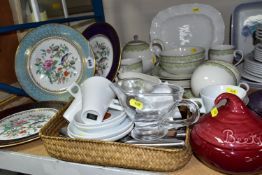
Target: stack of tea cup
<point x="95" y="113"/>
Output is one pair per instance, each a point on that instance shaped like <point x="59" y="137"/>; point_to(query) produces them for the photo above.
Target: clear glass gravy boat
<point x="152" y="107"/>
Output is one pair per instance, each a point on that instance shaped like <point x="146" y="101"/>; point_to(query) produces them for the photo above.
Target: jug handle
<point x="156" y="46"/>
<point x="193" y="118"/>
<point x="76" y="105"/>
<point x="75" y="90"/>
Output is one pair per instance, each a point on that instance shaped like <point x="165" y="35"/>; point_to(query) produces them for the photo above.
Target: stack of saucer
<point x="258" y="53"/>
<point x="115" y="125"/>
<point x="259" y="32"/>
<point x="251" y="71"/>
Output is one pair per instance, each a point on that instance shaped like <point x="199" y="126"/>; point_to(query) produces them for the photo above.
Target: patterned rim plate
<point x="21" y="124"/>
<point x="106" y="47"/>
<point x="50" y="58"/>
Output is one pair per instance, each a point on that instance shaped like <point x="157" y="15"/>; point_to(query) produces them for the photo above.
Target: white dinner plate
<point x="101" y="134"/>
<point x="182" y="25"/>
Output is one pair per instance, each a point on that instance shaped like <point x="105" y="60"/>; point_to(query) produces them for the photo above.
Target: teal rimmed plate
<point x="50" y="58"/>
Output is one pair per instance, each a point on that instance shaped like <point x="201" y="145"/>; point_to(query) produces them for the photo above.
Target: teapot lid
<point x="137" y="43"/>
<point x="232" y="126"/>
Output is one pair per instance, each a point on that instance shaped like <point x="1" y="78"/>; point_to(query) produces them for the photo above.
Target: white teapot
<point x="139" y="49"/>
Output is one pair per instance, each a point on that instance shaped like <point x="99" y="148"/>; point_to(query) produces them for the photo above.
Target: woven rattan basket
<point x="110" y="153"/>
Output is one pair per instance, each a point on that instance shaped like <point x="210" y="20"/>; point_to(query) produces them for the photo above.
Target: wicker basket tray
<point x="110" y="153"/>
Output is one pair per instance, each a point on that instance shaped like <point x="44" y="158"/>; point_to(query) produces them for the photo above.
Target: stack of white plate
<point x="251" y="71"/>
<point x="115" y="125"/>
<point x="259" y="32"/>
<point x="258" y="52"/>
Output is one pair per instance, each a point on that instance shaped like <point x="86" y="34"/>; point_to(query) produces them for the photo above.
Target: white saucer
<point x="250" y="77"/>
<point x="112" y="120"/>
<point x="101" y="134"/>
<point x="258" y="75"/>
<point x="182" y="83"/>
<point x="120" y="135"/>
<point x="163" y="75"/>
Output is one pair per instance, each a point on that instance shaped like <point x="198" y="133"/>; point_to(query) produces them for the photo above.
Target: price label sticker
<point x="214" y="112"/>
<point x="231" y="90"/>
<point x="153" y="59"/>
<point x="90" y="63"/>
<point x="136" y="104"/>
<point x="193" y="50"/>
<point x="195" y="9"/>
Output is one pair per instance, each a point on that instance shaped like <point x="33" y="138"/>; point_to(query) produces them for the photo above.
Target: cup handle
<point x="193" y="118"/>
<point x="242" y="56"/>
<point x="156" y="46"/>
<point x="244" y="86"/>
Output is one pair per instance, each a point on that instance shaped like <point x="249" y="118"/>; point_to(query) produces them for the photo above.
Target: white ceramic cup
<point x="94" y="96"/>
<point x="210" y="93"/>
<point x="225" y="53"/>
<point x="131" y="65"/>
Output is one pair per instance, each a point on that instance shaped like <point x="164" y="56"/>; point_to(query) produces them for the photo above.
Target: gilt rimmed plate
<point x="182" y="25"/>
<point x="50" y="58"/>
<point x="21" y="124"/>
<point x="106" y="47"/>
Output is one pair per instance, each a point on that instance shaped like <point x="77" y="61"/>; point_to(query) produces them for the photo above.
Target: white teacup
<point x="131" y="65"/>
<point x="210" y="93"/>
<point x="93" y="98"/>
<point x="225" y="53"/>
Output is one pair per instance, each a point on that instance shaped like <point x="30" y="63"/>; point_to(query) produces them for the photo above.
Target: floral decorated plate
<point x="50" y="58"/>
<point x="106" y="47"/>
<point x="21" y="124"/>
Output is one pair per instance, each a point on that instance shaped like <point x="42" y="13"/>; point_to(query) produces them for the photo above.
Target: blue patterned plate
<point x="106" y="46"/>
<point x="50" y="58"/>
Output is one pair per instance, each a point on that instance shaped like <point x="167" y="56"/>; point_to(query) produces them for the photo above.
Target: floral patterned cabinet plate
<point x="106" y="47"/>
<point x="50" y="58"/>
<point x="21" y="124"/>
